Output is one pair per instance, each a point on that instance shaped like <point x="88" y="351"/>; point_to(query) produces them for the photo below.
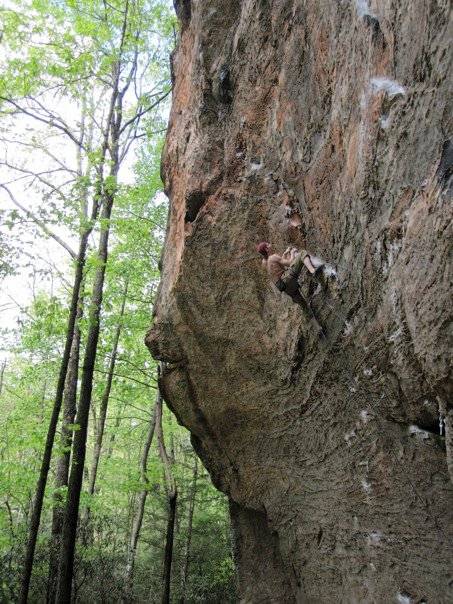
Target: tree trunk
<point x="2" y="371"/>
<point x="73" y="314"/>
<point x="70" y="394"/>
<point x="35" y="516"/>
<point x="113" y="435"/>
<point x="112" y="136"/>
<point x="185" y="566"/>
<point x="62" y="467"/>
<point x="105" y="400"/>
<point x="80" y="436"/>
<point x="137" y="524"/>
<point x="172" y="498"/>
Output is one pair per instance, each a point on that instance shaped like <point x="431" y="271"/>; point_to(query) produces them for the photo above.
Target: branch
<point x="131" y="73"/>
<point x="58" y="161"/>
<point x="129" y="362"/>
<point x="125" y="377"/>
<point x="129" y="141"/>
<point x="22" y="309"/>
<point x="112" y="7"/>
<point x="143" y="134"/>
<point x="155" y="224"/>
<point x="119" y="417"/>
<point x="126" y="404"/>
<point x="37" y="175"/>
<point x="139" y="114"/>
<point x="35" y="256"/>
<point x="40" y="223"/>
<point x="37" y="146"/>
<point x="10" y="514"/>
<point x="49" y="122"/>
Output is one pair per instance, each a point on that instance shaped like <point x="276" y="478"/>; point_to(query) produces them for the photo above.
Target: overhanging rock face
<point x="322" y="124"/>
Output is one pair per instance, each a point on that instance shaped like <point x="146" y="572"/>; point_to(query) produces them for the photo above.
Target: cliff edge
<point x="322" y="125"/>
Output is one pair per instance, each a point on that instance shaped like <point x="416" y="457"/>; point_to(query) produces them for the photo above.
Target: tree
<point x="105" y="396"/>
<point x="62" y="466"/>
<point x="111" y="60"/>
<point x="123" y="69"/>
<point x="138" y="518"/>
<point x="172" y="495"/>
<point x="186" y="559"/>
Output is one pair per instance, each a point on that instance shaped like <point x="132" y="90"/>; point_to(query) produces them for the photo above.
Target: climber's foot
<point x="320" y="332"/>
<point x="319" y="274"/>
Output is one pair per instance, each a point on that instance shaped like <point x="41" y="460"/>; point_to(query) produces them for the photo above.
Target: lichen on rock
<point x="298" y="123"/>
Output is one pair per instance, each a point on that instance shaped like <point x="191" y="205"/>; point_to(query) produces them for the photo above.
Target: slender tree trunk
<point x="35" y="516"/>
<point x="43" y="401"/>
<point x="36" y="507"/>
<point x="2" y="371"/>
<point x="172" y="495"/>
<point x="185" y="565"/>
<point x="138" y="519"/>
<point x="112" y="134"/>
<point x="113" y="435"/>
<point x="62" y="467"/>
<point x="113" y="130"/>
<point x="70" y="393"/>
<point x="80" y="436"/>
<point x="99" y="425"/>
<point x="105" y="400"/>
<point x="79" y="442"/>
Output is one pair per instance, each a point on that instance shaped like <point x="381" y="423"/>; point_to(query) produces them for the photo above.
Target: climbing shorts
<point x="280" y="285"/>
<point x="293" y="272"/>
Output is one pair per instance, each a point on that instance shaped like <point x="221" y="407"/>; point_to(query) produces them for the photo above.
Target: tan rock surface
<point x="323" y="124"/>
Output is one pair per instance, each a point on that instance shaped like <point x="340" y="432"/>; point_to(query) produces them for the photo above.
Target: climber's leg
<point x="297" y="298"/>
<point x="291" y="275"/>
<point x="293" y="272"/>
<point x="320" y="277"/>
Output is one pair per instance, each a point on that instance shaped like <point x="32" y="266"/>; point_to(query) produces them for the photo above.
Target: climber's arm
<point x="304" y="255"/>
<point x="276" y="266"/>
<point x="309" y="264"/>
<point x="284" y="260"/>
<point x="288" y="253"/>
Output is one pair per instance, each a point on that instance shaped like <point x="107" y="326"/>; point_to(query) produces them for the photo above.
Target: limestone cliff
<point x="323" y="124"/>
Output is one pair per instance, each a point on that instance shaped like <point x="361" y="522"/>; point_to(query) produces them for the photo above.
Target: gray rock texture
<point x="323" y="124"/>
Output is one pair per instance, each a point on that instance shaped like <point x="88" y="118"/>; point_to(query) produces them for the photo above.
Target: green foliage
<point x="26" y="402"/>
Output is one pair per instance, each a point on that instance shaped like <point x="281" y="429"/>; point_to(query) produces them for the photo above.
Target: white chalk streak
<point x="362" y="8"/>
<point x="391" y="87"/>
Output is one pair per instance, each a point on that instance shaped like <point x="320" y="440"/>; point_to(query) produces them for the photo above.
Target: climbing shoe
<point x="318" y="282"/>
<point x="319" y="330"/>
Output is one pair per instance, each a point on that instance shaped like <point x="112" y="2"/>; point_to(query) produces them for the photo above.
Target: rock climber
<point x="284" y="272"/>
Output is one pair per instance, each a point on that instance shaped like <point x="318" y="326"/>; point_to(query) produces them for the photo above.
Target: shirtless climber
<point x="284" y="272"/>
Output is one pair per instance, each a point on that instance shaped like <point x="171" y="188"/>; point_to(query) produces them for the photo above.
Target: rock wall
<point x="323" y="124"/>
